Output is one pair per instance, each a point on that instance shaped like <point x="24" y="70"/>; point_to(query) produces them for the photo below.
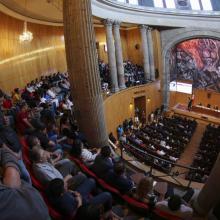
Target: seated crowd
<point x="114" y="172"/>
<point x="42" y="113"/>
<point x="134" y="74"/>
<point x="206" y="155"/>
<point x="163" y="137"/>
<point x="34" y="112"/>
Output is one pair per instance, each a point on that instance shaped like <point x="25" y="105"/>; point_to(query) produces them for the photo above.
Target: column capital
<point x="117" y="23"/>
<point x="108" y="22"/>
<point x="149" y="28"/>
<point x="142" y="26"/>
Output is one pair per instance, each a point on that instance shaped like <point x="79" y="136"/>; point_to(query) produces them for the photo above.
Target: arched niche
<point x="169" y="39"/>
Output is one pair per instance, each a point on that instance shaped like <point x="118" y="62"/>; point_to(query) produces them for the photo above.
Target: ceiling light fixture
<point x="26" y="36"/>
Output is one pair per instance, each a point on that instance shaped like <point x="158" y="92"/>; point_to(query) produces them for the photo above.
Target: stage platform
<point x="198" y="112"/>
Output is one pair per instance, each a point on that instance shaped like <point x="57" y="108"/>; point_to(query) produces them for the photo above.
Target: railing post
<point x="121" y="149"/>
<point x="151" y="170"/>
<point x="151" y="166"/>
<point x="190" y="179"/>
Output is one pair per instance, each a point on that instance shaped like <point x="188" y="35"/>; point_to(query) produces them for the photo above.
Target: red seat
<point x="84" y="168"/>
<point x="134" y="202"/>
<point x="128" y="199"/>
<point x="166" y="215"/>
<point x="57" y="216"/>
<point x="37" y="184"/>
<point x="108" y="187"/>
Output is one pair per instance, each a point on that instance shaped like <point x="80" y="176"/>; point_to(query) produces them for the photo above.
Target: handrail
<point x="172" y="175"/>
<point x="164" y="160"/>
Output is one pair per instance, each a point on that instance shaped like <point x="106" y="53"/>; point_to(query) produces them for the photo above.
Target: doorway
<point x="140" y="107"/>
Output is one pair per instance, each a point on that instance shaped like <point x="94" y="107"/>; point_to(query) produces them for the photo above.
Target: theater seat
<point x="37" y="184"/>
<point x="132" y="202"/>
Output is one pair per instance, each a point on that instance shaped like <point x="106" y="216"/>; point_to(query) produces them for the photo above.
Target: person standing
<point x="190" y="103"/>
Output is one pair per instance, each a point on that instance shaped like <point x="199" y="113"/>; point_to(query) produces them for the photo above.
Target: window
<point x="123" y="1"/>
<point x="158" y="3"/>
<point x="170" y="4"/>
<point x="207" y="5"/>
<point x="133" y="2"/>
<point x="195" y="5"/>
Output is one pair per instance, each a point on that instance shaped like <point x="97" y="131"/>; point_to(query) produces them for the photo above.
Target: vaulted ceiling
<point x="43" y="10"/>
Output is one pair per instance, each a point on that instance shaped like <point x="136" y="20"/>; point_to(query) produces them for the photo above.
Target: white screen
<point x="181" y="87"/>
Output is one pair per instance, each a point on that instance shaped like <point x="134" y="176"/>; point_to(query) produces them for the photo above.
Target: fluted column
<point x="209" y="197"/>
<point x="111" y="55"/>
<point x="143" y="29"/>
<point x="151" y="53"/>
<point x="83" y="70"/>
<point x="119" y="55"/>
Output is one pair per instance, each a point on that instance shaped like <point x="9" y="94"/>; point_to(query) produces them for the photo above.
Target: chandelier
<point x="26" y="36"/>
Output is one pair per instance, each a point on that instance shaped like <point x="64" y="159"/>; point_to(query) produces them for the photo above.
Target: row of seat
<point x="132" y="202"/>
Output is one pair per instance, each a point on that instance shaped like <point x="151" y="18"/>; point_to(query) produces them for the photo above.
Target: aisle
<point x="187" y="156"/>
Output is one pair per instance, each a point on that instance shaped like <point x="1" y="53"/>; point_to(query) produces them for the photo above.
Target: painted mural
<point x="197" y="60"/>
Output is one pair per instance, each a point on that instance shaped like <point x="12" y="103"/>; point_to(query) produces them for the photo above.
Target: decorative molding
<point x="142" y="26"/>
<point x="133" y="14"/>
<point x="117" y="23"/>
<point x="108" y="22"/>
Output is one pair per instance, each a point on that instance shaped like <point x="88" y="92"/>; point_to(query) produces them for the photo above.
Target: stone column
<point x="145" y="52"/>
<point x="151" y="53"/>
<point x="111" y="55"/>
<point x="119" y="55"/>
<point x="165" y="79"/>
<point x="209" y="195"/>
<point x="83" y="70"/>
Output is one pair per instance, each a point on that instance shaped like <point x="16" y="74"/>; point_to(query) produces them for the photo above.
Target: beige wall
<point x="157" y="51"/>
<point x="130" y="38"/>
<point x="120" y="106"/>
<point x="101" y="39"/>
<point x="20" y="63"/>
<point x="201" y="95"/>
<point x="134" y="38"/>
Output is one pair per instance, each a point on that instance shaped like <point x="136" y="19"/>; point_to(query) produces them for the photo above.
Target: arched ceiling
<point x="40" y="11"/>
<point x="48" y="11"/>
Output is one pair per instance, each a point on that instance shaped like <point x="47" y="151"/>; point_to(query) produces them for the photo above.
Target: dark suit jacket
<point x="102" y="165"/>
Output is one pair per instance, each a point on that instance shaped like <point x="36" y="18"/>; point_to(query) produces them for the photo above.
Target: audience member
<point x="103" y="162"/>
<point x="176" y="206"/>
<point x="118" y="178"/>
<point x="19" y="200"/>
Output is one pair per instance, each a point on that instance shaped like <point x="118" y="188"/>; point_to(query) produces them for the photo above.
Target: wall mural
<point x="197" y="60"/>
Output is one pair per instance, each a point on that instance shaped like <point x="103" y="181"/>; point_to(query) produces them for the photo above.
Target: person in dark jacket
<point x="118" y="178"/>
<point x="103" y="162"/>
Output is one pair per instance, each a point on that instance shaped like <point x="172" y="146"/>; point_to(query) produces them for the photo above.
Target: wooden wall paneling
<point x="120" y="106"/>
<point x="134" y="38"/>
<point x="101" y="38"/>
<point x="124" y="43"/>
<point x="201" y="96"/>
<point x="21" y="63"/>
<point x="157" y="51"/>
